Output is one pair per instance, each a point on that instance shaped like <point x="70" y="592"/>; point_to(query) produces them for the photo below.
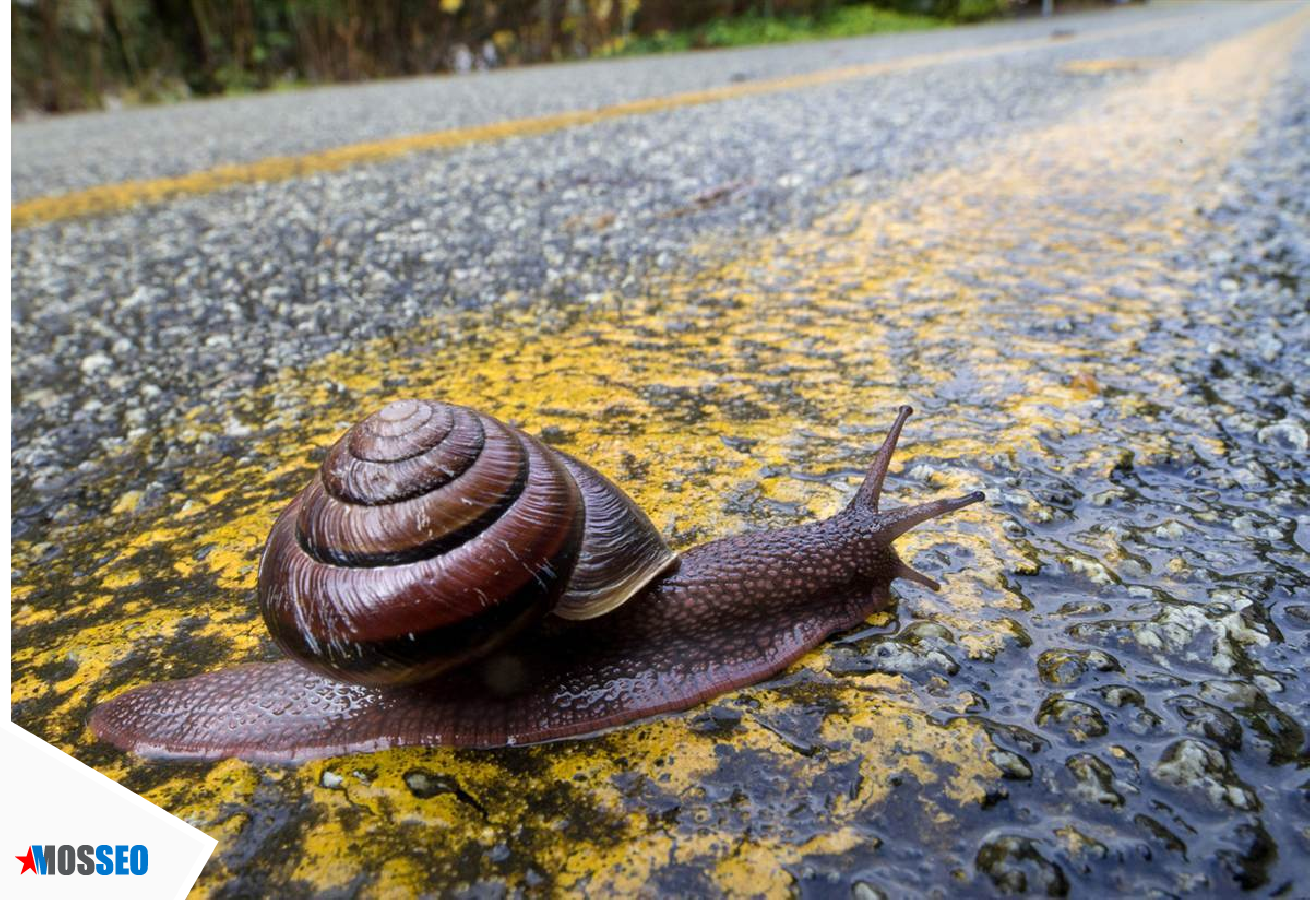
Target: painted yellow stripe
<point x="108" y="198"/>
<point x="794" y="326"/>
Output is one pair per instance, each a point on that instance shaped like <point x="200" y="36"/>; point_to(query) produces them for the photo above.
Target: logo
<point x="65" y="859"/>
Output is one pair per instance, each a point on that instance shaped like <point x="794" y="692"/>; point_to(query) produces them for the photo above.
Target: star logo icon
<point x="28" y="862"/>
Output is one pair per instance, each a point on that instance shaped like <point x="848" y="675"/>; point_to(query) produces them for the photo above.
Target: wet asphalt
<point x="123" y="323"/>
<point x="58" y="154"/>
<point x="1136" y="666"/>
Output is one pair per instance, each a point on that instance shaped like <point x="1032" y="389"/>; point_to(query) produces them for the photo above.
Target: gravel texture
<point x="55" y="155"/>
<point x="123" y="323"/>
<point x="1092" y="280"/>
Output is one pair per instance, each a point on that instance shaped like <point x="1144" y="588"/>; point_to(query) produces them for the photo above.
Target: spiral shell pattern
<point x="433" y="533"/>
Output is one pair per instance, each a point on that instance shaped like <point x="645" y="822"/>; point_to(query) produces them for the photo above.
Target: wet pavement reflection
<point x="1102" y="325"/>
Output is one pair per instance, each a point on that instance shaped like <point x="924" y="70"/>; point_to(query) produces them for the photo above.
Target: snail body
<point x="408" y="625"/>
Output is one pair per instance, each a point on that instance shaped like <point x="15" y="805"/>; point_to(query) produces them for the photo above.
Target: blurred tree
<point x="71" y="54"/>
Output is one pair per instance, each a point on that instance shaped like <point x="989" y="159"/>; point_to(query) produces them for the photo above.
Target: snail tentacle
<point x="892" y="525"/>
<point x="871" y="490"/>
<point x="903" y="570"/>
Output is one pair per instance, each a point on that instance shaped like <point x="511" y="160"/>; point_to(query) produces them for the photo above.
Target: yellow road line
<point x="803" y="327"/>
<point x="108" y="198"/>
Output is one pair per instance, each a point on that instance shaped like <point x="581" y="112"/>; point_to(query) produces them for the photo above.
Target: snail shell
<point x="432" y="534"/>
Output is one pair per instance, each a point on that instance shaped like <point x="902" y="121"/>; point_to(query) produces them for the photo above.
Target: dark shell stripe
<point x="382" y="594"/>
<point x="343" y="604"/>
<point x="418" y="656"/>
<point x="434" y="522"/>
<point x="400" y="430"/>
<point x="355" y="479"/>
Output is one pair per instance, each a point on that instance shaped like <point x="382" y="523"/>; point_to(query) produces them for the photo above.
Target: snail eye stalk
<point x="895" y="523"/>
<point x="867" y="497"/>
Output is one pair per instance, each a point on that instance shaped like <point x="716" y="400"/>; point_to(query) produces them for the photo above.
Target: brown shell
<point x="432" y="534"/>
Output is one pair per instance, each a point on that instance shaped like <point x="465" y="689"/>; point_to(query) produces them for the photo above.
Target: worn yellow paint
<point x="26" y="615"/>
<point x="127" y="503"/>
<point x="92" y="650"/>
<point x="1080" y="845"/>
<point x="109" y="198"/>
<point x="1116" y="64"/>
<point x="752" y="871"/>
<point x="120" y="578"/>
<point x="397" y="878"/>
<point x="649" y="394"/>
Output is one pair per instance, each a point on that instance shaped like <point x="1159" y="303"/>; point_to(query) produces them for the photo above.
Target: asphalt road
<point x="1084" y="258"/>
<point x="65" y="153"/>
<point x="122" y="323"/>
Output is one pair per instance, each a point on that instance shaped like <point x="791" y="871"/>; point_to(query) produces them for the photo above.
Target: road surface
<point x="1082" y="257"/>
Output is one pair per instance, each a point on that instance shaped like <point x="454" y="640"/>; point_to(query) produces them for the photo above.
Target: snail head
<point x="879" y="528"/>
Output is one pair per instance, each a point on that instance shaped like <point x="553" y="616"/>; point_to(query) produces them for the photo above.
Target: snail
<point x="449" y="580"/>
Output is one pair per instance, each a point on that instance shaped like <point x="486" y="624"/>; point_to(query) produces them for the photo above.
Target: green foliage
<point x="955" y="10"/>
<point x="977" y="10"/>
<point x="754" y="28"/>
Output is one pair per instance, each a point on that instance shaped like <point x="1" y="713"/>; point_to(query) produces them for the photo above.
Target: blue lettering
<point x="105" y="859"/>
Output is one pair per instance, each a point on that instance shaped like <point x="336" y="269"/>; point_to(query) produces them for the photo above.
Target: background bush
<point x="79" y="54"/>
